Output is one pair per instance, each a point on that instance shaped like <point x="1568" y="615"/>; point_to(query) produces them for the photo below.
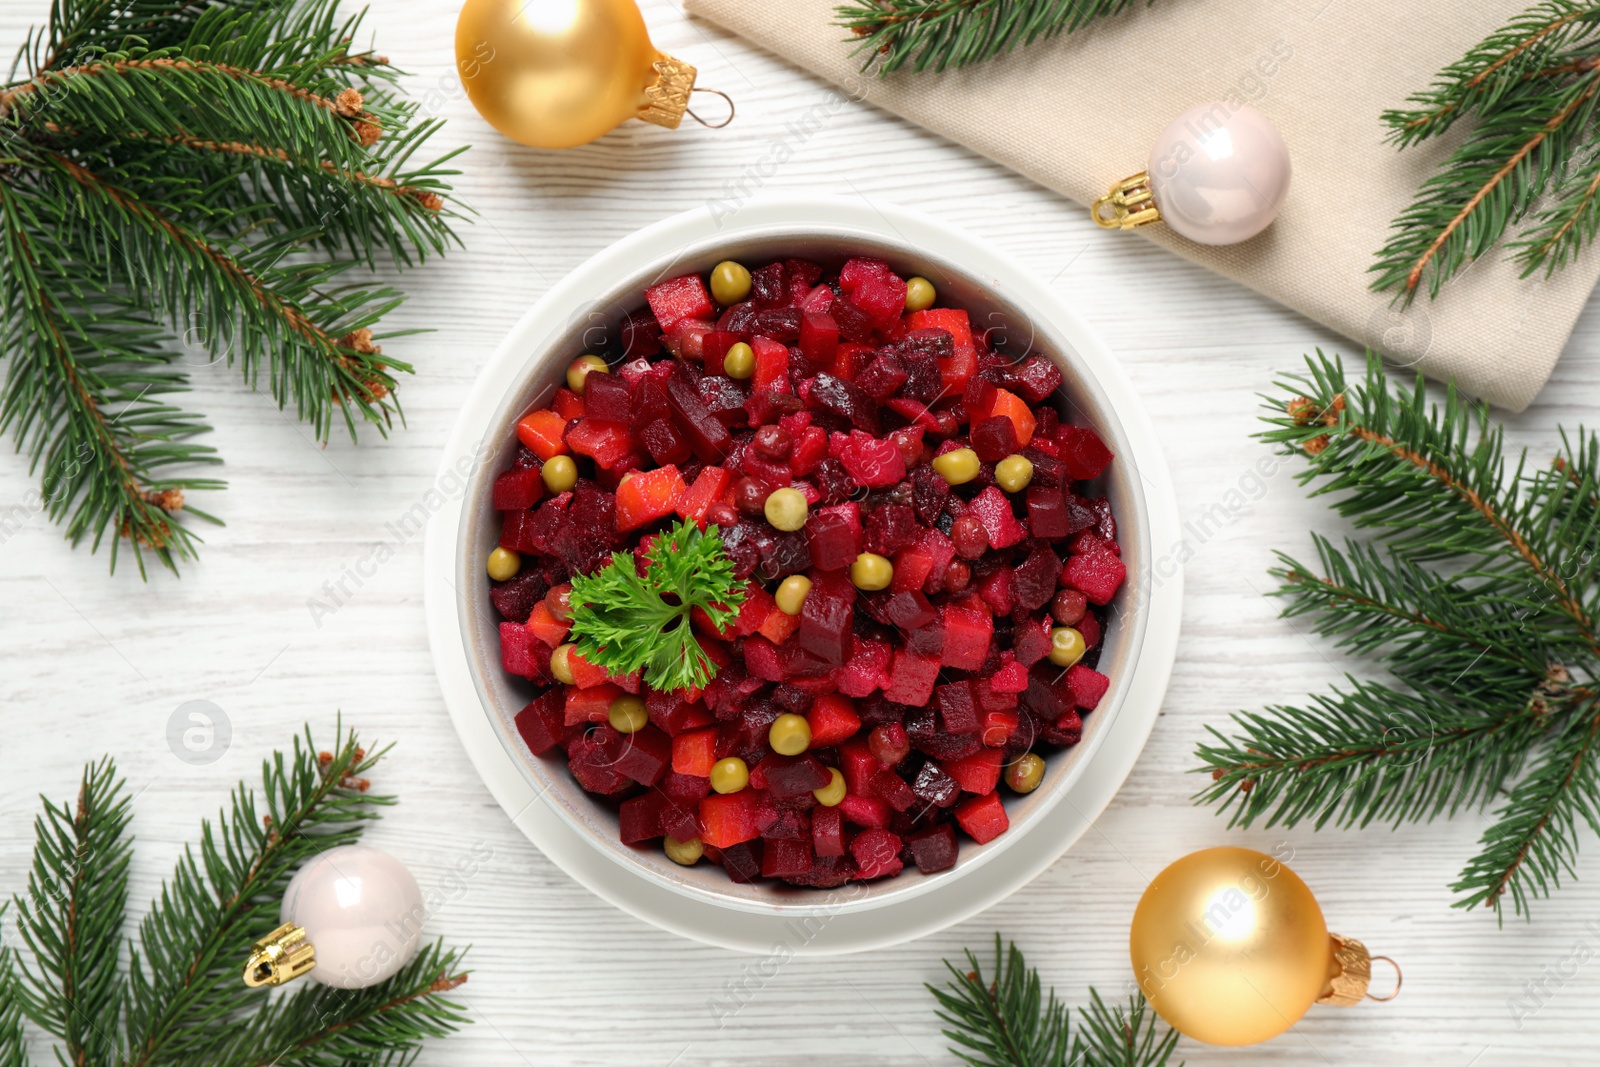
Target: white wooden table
<point x="93" y="664"/>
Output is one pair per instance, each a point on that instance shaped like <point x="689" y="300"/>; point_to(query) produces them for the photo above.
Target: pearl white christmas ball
<point x="362" y="911"/>
<point x="1219" y="173"/>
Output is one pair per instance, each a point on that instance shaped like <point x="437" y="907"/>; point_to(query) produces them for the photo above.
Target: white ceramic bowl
<point x="577" y="315"/>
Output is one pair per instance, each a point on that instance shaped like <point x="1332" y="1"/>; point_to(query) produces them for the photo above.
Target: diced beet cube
<point x="518" y="488"/>
<point x="928" y="494"/>
<point x="854" y="324"/>
<point x="983" y="818"/>
<point x="779" y="324"/>
<point x="863" y="810"/>
<point x="1033" y="582"/>
<point x="605" y="442"/>
<point x="679" y="298"/>
<point x="739" y="319"/>
<point x="911" y="678"/>
<point x="1012" y="677"/>
<point x="1105" y="523"/>
<point x="607" y="396"/>
<point x="1098" y="574"/>
<point x="994" y="438"/>
<point x="640" y="818"/>
<point x="866" y="669"/>
<point x="1084" y="454"/>
<point x="834" y="535"/>
<point x="845" y="399"/>
<point x="793" y="776"/>
<point x="1030" y="640"/>
<point x="707" y="436"/>
<point x="874" y="462"/>
<point x="882" y="376"/>
<point x="518" y="650"/>
<point x="785" y="859"/>
<point x="1047" y="512"/>
<point x="640" y="335"/>
<point x="517" y="532"/>
<point x="725" y="399"/>
<point x="1087" y="686"/>
<point x="1065" y="731"/>
<point x="742" y="861"/>
<point x="976" y="773"/>
<point x="541" y="724"/>
<point x="766" y="286"/>
<point x="958" y="712"/>
<point x="892" y="789"/>
<point x="589" y="758"/>
<point x="1089" y="627"/>
<point x="933" y="849"/>
<point x="908" y="610"/>
<point x="645" y="756"/>
<point x="891" y="527"/>
<point x="664" y="443"/>
<point x="967" y="634"/>
<point x="827" y="832"/>
<point x="819" y="337"/>
<point x="994" y="511"/>
<point x="922" y="728"/>
<point x="877" y="853"/>
<point x="858" y="765"/>
<point x="514" y="599"/>
<point x="935" y="786"/>
<point x="680" y="816"/>
<point x="1034" y="379"/>
<point x="825" y="617"/>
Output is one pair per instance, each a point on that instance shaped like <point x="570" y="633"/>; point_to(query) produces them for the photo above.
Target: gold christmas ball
<point x="559" y="73"/>
<point x="1230" y="947"/>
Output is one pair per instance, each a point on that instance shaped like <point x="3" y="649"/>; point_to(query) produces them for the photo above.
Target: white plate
<point x="838" y="921"/>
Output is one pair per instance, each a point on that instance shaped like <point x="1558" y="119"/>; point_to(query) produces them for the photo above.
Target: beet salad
<point x="805" y="573"/>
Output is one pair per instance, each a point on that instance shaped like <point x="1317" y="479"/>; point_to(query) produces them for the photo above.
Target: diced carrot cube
<point x="648" y="496"/>
<point x="589" y="705"/>
<point x="1016" y="409"/>
<point x="546" y="627"/>
<point x="586" y="675"/>
<point x="543" y="431"/>
<point x="832" y="719"/>
<point x="694" y="752"/>
<point x="778" y="626"/>
<point x="707" y="490"/>
<point x="983" y="818"/>
<point x="567" y="404"/>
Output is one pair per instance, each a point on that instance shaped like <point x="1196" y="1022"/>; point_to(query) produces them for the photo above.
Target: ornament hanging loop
<point x="280" y="957"/>
<point x="1350" y="973"/>
<point x="1127" y="204"/>
<point x="712" y="125"/>
<point x="1399" y="978"/>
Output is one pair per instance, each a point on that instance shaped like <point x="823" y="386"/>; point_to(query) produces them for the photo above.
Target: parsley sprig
<point x="625" y="621"/>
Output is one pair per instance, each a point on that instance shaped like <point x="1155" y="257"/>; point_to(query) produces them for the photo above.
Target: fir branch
<point x="219" y="164"/>
<point x="1532" y="87"/>
<point x="940" y="34"/>
<point x="13" y="1039"/>
<point x="71" y="917"/>
<point x="185" y="974"/>
<point x="181" y="1000"/>
<point x="1010" y="1021"/>
<point x="1497" y="651"/>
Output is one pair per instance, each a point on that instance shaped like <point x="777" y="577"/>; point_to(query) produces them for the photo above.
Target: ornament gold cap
<point x="1350" y="973"/>
<point x="1127" y="204"/>
<point x="281" y="956"/>
<point x="667" y="97"/>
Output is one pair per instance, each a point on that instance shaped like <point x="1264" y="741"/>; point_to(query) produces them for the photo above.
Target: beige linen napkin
<point x="1082" y="111"/>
